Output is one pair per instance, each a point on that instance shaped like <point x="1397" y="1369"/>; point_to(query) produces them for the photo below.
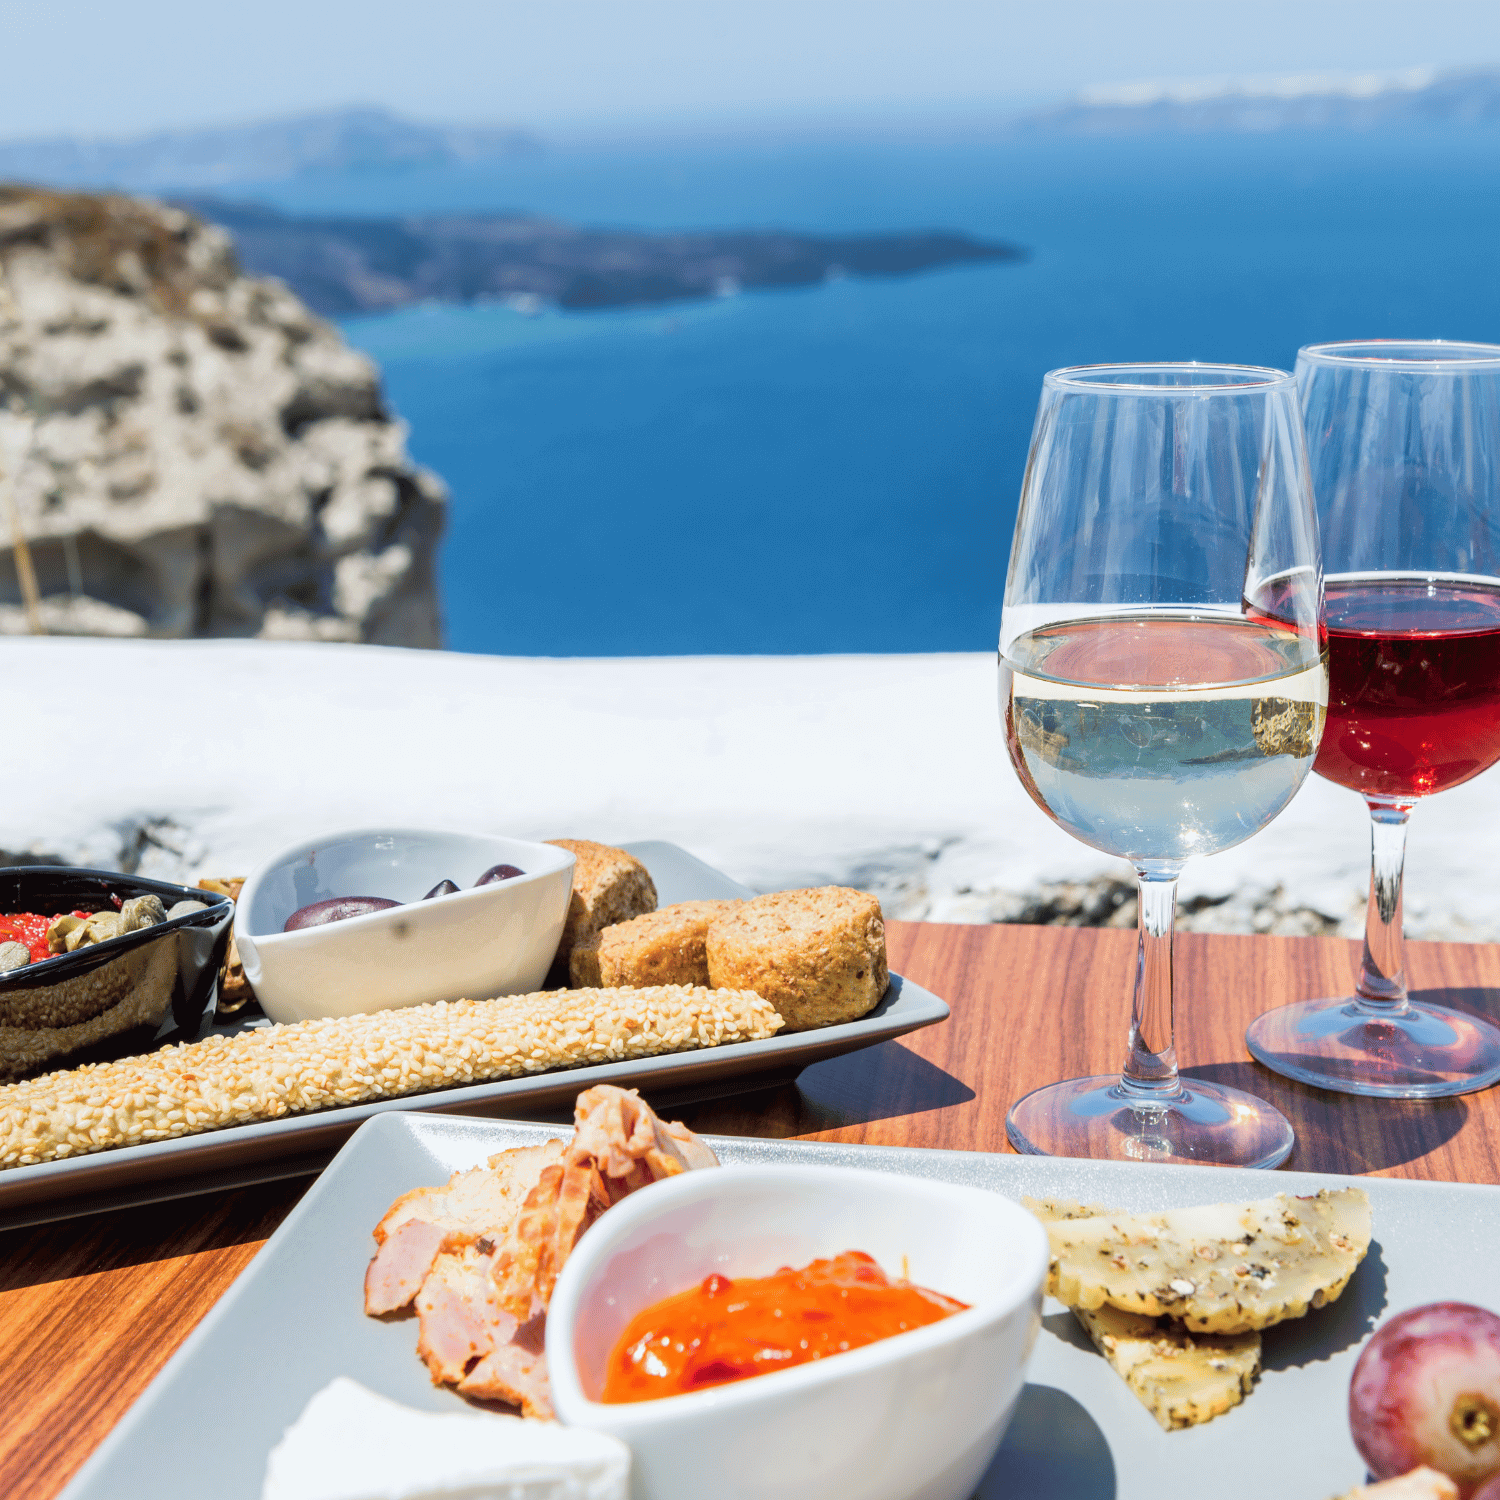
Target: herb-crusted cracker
<point x="817" y="955"/>
<point x="1221" y="1268"/>
<point x="1181" y="1378"/>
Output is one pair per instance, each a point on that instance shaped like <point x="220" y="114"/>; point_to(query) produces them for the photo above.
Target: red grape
<point x="1489" y="1490"/>
<point x="1426" y="1390"/>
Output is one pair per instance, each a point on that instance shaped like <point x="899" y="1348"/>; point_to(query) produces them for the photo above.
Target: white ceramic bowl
<point x="914" y="1417"/>
<point x="497" y="940"/>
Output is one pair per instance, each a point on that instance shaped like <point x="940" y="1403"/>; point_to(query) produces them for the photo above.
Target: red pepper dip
<point x="30" y="930"/>
<point x="723" y="1330"/>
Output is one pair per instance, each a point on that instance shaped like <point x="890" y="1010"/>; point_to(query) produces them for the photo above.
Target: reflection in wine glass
<point x="1163" y="687"/>
<point x="1404" y="442"/>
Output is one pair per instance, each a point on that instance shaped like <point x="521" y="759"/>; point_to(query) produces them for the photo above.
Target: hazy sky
<point x="122" y="66"/>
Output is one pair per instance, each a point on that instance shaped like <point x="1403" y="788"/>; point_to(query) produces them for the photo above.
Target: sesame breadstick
<point x="274" y="1071"/>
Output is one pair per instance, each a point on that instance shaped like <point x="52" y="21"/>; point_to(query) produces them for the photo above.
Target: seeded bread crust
<point x="672" y="941"/>
<point x="817" y="955"/>
<point x="609" y="886"/>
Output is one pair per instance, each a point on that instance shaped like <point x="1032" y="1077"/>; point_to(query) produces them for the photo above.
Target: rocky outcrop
<point x="193" y="452"/>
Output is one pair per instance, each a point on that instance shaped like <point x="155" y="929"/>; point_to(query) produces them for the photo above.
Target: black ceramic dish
<point x="130" y="994"/>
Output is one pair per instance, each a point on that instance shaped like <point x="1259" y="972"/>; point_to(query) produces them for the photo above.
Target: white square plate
<point x="295" y="1319"/>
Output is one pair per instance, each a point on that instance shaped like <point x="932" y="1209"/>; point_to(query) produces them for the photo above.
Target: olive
<point x="442" y="888"/>
<point x="320" y="913"/>
<point x="498" y="872"/>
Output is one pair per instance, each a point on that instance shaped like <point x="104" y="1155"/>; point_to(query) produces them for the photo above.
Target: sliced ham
<point x="619" y="1146"/>
<point x="428" y="1221"/>
<point x="469" y="1341"/>
<point x="515" y="1371"/>
<point x="462" y="1320"/>
<point x="480" y="1255"/>
<point x="401" y="1265"/>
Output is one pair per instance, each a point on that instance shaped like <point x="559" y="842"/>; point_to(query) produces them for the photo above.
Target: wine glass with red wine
<point x="1404" y="441"/>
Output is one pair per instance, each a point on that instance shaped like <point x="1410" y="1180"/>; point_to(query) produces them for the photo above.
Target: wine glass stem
<point x="1150" y="1073"/>
<point x="1382" y="971"/>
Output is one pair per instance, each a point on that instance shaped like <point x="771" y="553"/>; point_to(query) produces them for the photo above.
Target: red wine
<point x="1413" y="684"/>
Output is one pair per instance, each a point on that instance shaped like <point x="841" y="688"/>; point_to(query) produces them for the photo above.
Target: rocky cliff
<point x="193" y="452"/>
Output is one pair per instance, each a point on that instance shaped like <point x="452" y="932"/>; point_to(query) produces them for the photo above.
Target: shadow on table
<point x="138" y="1236"/>
<point x="882" y="1082"/>
<point x="1054" y="1448"/>
<point x="876" y="1084"/>
<point x="1345" y="1132"/>
<point x="1473" y="1000"/>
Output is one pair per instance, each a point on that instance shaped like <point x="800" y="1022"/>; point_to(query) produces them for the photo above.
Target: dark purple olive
<point x="320" y="913"/>
<point x="498" y="872"/>
<point x="442" y="888"/>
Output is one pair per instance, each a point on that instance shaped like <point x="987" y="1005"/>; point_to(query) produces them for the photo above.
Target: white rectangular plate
<point x="304" y="1144"/>
<point x="295" y="1319"/>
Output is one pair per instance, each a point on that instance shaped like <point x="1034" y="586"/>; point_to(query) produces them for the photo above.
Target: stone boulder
<point x="192" y="452"/>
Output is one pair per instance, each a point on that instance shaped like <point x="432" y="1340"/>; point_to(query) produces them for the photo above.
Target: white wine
<point x="1163" y="735"/>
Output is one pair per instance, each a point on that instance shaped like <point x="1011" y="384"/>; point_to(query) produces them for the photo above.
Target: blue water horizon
<point x="835" y="469"/>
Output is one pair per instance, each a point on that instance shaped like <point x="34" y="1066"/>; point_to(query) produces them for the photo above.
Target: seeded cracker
<point x="1221" y="1268"/>
<point x="1181" y="1378"/>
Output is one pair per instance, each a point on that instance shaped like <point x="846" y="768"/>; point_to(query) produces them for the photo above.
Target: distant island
<point x="219" y="159"/>
<point x="343" y="266"/>
<point x="1302" y="101"/>
<point x="210" y="158"/>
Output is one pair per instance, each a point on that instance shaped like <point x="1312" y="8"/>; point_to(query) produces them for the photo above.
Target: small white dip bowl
<point x="914" y="1417"/>
<point x="498" y="939"/>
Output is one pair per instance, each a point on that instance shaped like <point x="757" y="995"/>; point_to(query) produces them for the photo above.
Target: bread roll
<point x="818" y="955"/>
<point x="670" y="941"/>
<point x="609" y="886"/>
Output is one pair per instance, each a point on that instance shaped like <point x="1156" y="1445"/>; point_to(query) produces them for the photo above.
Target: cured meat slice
<point x="462" y="1320"/>
<point x="427" y="1221"/>
<point x="480" y="1255"/>
<point x="515" y="1370"/>
<point x="469" y="1341"/>
<point x="619" y="1145"/>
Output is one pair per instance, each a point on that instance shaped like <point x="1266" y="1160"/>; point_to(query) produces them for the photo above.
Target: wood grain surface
<point x="90" y="1309"/>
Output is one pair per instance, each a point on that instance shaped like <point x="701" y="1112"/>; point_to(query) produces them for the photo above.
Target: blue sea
<point x="836" y="468"/>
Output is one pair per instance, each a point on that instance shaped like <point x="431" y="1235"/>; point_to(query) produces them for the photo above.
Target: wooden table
<point x="90" y="1309"/>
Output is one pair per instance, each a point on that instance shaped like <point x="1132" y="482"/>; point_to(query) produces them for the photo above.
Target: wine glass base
<point x="1204" y="1125"/>
<point x="1424" y="1052"/>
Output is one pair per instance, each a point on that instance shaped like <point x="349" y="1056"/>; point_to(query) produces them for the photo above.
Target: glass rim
<point x="1425" y="355"/>
<point x="1238" y="379"/>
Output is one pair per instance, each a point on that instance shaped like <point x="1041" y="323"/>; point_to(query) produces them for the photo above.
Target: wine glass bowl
<point x="1163" y="687"/>
<point x="1404" y="444"/>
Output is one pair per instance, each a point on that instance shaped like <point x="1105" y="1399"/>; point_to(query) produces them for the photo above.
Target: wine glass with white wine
<point x="1163" y="684"/>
